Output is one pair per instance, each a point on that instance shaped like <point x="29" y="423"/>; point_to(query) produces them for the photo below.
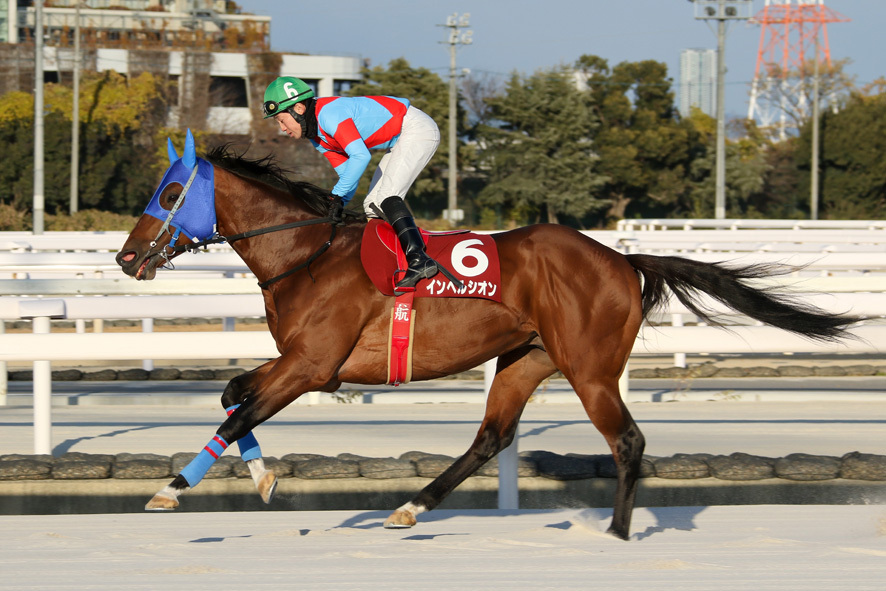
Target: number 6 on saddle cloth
<point x="473" y="259"/>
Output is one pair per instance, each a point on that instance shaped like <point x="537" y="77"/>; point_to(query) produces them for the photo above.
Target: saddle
<point x="471" y="258"/>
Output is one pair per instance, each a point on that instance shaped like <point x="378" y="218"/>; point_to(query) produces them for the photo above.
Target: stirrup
<point x="419" y="275"/>
<point x="428" y="270"/>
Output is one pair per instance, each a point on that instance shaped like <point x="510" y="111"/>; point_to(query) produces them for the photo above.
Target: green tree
<point x="747" y="169"/>
<point x="645" y="149"/>
<point x="120" y="124"/>
<point x="852" y="159"/>
<point x="539" y="156"/>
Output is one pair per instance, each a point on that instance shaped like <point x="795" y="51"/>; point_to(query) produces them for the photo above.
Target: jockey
<point x="344" y="129"/>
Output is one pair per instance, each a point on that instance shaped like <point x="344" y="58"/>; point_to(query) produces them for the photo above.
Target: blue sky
<point x="524" y="36"/>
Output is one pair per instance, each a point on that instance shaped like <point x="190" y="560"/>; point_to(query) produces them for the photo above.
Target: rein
<point x="217" y="239"/>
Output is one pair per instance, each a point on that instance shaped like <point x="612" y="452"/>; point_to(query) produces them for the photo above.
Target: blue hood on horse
<point x="195" y="215"/>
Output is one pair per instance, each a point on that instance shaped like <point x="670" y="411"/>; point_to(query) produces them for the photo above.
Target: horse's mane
<point x="269" y="172"/>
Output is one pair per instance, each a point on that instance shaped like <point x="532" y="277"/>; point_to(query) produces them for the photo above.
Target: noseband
<point x="171" y="248"/>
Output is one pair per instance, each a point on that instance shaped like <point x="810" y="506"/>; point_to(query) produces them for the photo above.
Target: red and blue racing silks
<point x="348" y="127"/>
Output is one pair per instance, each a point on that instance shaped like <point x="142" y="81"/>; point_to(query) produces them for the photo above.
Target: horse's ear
<point x="170" y="149"/>
<point x="189" y="158"/>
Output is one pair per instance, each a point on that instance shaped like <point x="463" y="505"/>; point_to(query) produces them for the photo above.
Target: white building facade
<point x="223" y="78"/>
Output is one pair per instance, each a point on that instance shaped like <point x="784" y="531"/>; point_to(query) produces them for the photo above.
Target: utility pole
<point x="720" y="192"/>
<point x="39" y="198"/>
<point x="75" y="118"/>
<point x="454" y="23"/>
<point x="721" y="11"/>
<point x="813" y="189"/>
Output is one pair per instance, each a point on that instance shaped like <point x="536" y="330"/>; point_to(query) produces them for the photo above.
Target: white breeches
<point x="401" y="165"/>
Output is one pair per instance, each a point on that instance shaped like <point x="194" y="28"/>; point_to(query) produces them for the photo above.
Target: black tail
<point x="686" y="278"/>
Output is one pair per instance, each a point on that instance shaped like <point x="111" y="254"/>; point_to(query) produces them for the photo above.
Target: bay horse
<point x="568" y="303"/>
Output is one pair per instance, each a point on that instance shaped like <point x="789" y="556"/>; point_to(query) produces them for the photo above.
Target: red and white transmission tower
<point x="791" y="30"/>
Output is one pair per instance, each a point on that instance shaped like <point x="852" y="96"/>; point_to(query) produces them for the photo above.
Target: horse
<point x="568" y="304"/>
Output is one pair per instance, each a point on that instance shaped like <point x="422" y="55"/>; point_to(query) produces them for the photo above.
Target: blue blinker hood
<point x="195" y="217"/>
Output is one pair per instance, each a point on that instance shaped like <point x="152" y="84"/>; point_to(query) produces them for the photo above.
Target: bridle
<point x="171" y="249"/>
<point x="218" y="239"/>
<point x="164" y="229"/>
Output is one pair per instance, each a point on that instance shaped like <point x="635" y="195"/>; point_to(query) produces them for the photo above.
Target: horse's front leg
<point x="279" y="386"/>
<point x="238" y="424"/>
<point x="237" y="391"/>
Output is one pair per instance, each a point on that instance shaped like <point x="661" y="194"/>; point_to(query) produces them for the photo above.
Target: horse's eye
<point x="170" y="200"/>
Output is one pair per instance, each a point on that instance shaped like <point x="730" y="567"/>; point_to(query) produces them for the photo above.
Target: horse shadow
<point x="666" y="519"/>
<point x="375" y="519"/>
<point x="670" y="518"/>
<point x="66" y="445"/>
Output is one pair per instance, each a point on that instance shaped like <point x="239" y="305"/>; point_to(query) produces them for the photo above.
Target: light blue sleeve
<point x="350" y="171"/>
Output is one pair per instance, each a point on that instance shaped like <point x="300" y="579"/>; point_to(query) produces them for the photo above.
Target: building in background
<point x="698" y="81"/>
<point x="218" y="59"/>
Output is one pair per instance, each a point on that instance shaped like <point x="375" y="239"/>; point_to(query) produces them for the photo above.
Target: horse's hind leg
<point x="589" y="335"/>
<point x="517" y="375"/>
<point x="606" y="410"/>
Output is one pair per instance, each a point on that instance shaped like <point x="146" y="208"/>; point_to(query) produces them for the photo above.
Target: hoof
<point x="161" y="502"/>
<point x="618" y="533"/>
<point x="267" y="486"/>
<point x="400" y="520"/>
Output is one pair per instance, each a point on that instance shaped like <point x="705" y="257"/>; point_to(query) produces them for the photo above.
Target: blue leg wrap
<point x="249" y="448"/>
<point x="199" y="466"/>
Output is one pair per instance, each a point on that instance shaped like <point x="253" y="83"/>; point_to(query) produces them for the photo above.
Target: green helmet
<point x="283" y="93"/>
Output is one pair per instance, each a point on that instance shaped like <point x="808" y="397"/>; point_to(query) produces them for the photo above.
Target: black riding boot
<point x="421" y="266"/>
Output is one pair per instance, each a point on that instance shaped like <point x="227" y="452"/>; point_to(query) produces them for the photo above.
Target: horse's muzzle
<point x="140" y="267"/>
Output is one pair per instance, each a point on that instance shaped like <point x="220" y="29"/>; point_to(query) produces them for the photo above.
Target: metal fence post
<point x="40" y="311"/>
<point x="4" y="385"/>
<point x="508" y="458"/>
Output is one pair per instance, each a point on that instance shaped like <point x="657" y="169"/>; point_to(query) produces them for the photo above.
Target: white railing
<point x="741" y="224"/>
<point x="42" y="348"/>
<point x="91" y="263"/>
<point x="70" y="242"/>
<point x="218" y="287"/>
<point x="778" y="241"/>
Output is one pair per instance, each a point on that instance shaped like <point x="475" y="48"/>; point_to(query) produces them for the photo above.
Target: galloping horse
<point x="568" y="303"/>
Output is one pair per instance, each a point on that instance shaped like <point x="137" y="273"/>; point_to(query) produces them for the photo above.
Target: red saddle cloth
<point x="472" y="258"/>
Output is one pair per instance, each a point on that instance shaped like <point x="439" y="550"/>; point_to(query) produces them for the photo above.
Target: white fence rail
<point x="82" y="263"/>
<point x="42" y="348"/>
<point x="70" y="242"/>
<point x="742" y="224"/>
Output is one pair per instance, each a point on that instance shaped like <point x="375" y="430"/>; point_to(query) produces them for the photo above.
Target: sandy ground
<point x="812" y="548"/>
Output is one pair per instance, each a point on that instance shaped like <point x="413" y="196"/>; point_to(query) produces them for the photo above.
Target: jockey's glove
<point x="335" y="209"/>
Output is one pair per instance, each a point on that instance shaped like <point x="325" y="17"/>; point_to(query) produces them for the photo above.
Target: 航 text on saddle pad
<point x="472" y="258"/>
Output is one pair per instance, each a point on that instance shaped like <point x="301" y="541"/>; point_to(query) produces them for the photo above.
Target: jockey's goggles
<point x="271" y="108"/>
